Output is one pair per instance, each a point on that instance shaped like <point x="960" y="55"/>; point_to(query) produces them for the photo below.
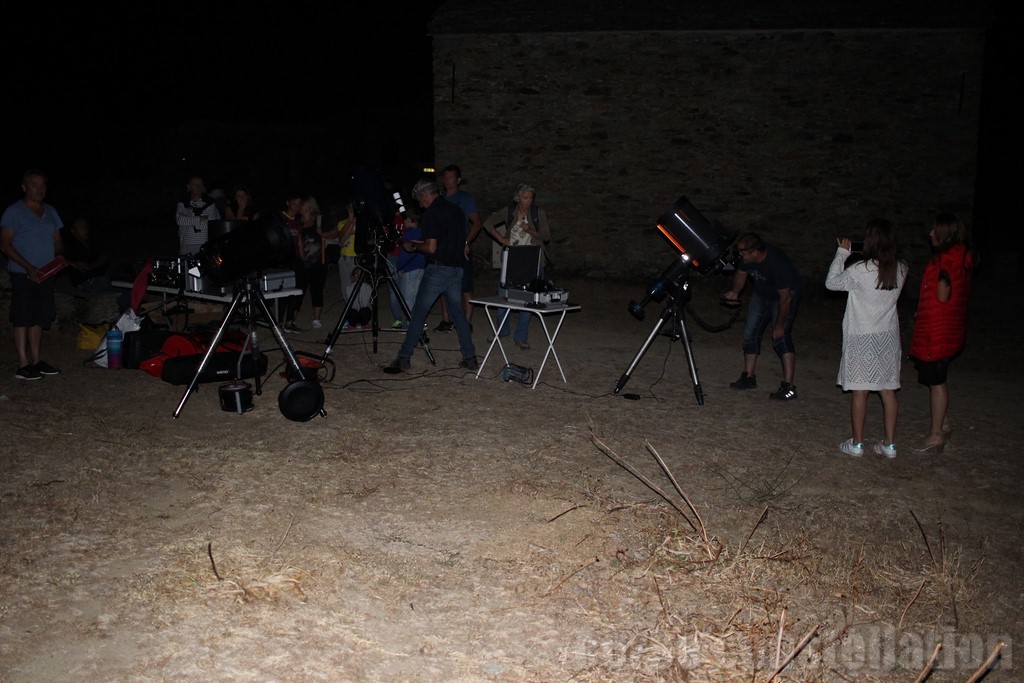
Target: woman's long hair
<point x="880" y="247"/>
<point x="951" y="231"/>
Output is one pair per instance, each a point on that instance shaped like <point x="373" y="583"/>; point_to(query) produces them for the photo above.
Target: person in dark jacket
<point x="445" y="246"/>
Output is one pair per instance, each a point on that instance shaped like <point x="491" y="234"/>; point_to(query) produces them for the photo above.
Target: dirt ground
<point x="439" y="527"/>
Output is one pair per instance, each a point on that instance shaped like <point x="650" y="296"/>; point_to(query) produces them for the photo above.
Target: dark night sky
<point x="95" y="92"/>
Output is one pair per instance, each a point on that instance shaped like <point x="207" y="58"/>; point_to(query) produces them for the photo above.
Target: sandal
<point x="932" y="445"/>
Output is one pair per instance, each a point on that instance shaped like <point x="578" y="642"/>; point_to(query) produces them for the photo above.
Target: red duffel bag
<point x="190" y="344"/>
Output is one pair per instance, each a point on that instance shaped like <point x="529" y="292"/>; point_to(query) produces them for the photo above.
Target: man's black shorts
<point x="32" y="303"/>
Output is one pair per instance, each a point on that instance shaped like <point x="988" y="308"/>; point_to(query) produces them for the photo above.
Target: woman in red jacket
<point x="940" y="326"/>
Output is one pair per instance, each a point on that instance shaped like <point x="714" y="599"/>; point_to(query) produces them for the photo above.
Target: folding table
<point x="503" y="308"/>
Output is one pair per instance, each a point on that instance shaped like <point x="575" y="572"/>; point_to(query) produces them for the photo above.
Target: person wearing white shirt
<point x="194" y="213"/>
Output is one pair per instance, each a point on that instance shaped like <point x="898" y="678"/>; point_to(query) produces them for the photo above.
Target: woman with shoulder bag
<point x="522" y="223"/>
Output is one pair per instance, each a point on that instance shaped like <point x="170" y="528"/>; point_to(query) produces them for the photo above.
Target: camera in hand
<point x="856" y="254"/>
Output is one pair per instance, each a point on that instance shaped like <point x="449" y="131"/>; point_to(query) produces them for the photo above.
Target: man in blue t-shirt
<point x="776" y="296"/>
<point x="444" y="245"/>
<point x="30" y="239"/>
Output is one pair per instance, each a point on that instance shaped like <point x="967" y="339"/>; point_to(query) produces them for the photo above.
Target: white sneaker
<point x="888" y="451"/>
<point x="317" y="324"/>
<point x="851" y="448"/>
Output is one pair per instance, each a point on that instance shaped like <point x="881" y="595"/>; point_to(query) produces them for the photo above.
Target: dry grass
<point x="750" y="612"/>
<point x="419" y="534"/>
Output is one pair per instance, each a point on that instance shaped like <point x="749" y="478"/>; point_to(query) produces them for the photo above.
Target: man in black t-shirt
<point x="87" y="260"/>
<point x="445" y="246"/>
<point x="776" y="296"/>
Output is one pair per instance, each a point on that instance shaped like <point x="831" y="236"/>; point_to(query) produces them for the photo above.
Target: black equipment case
<point x="223" y="367"/>
<point x="140" y="345"/>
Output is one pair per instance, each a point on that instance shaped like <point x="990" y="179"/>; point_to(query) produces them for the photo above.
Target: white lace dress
<point x="871" y="325"/>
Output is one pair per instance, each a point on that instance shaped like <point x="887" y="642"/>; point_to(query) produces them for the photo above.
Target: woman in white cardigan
<point x="871" y="330"/>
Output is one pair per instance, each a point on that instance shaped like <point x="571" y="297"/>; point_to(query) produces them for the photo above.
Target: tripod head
<point x="375" y="210"/>
<point x="674" y="283"/>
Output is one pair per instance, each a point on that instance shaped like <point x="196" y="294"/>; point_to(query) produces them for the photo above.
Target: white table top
<point x="219" y="298"/>
<point x="502" y="302"/>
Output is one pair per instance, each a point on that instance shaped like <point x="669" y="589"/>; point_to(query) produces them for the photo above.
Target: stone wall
<point x="805" y="134"/>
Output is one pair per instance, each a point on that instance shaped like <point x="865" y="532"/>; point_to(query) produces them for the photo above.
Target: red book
<point x="44" y="273"/>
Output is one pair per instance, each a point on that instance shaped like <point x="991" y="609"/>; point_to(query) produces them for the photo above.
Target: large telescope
<point x="691" y="233"/>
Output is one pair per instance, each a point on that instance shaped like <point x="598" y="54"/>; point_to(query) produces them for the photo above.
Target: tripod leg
<point x="666" y="314"/>
<point x="685" y="337"/>
<point x="380" y="265"/>
<point x="374" y="317"/>
<point x="279" y="335"/>
<point x="333" y="337"/>
<point x="253" y="342"/>
<point x="210" y="351"/>
<point x="261" y="302"/>
<point x="407" y="312"/>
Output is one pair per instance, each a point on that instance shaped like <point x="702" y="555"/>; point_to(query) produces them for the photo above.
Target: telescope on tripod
<point x="377" y="233"/>
<point x="237" y="259"/>
<point x="702" y="246"/>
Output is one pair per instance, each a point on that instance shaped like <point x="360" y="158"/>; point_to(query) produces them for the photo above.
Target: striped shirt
<point x="193" y="230"/>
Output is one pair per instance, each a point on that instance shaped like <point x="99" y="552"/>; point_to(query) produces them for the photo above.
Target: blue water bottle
<point x="114" y="339"/>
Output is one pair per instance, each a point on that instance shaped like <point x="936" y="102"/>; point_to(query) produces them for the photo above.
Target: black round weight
<point x="235" y="397"/>
<point x="301" y="401"/>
